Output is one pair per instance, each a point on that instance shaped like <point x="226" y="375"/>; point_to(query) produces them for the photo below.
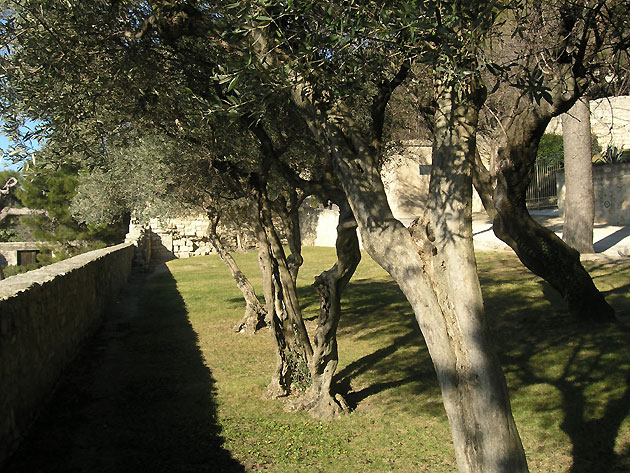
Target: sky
<point x="4" y="144"/>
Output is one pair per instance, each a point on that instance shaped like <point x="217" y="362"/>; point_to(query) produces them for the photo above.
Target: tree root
<point x="253" y="320"/>
<point x="319" y="407"/>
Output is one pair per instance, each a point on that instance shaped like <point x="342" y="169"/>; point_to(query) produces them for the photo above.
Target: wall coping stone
<point x="13" y="285"/>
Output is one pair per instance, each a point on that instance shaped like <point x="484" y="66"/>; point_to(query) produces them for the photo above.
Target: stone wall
<point x="186" y="237"/>
<point x="45" y="315"/>
<point x="180" y="237"/>
<point x="611" y="187"/>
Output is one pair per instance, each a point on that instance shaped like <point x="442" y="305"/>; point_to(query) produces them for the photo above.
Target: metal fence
<point x="542" y="189"/>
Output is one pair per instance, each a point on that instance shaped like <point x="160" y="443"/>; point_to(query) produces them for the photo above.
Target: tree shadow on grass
<point x="376" y="310"/>
<point x="137" y="399"/>
<point x="583" y="366"/>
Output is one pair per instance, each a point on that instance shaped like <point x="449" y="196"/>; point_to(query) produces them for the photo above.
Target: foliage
<point x="550" y="149"/>
<point x="51" y="187"/>
<point x="15" y="269"/>
<point x="132" y="180"/>
<point x="613" y="155"/>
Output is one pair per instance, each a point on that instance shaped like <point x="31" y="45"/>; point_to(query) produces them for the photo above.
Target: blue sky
<point x="4" y="144"/>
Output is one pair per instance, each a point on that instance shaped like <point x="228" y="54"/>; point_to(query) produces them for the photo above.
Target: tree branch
<point x="8" y="212"/>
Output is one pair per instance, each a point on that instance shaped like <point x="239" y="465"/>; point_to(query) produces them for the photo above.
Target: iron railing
<point x="542" y="188"/>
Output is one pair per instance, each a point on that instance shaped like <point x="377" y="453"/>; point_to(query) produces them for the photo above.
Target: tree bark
<point x="321" y="401"/>
<point x="289" y="213"/>
<point x="436" y="272"/>
<point x="579" y="204"/>
<point x="285" y="280"/>
<point x="484" y="432"/>
<point x="255" y="313"/>
<point x="292" y="343"/>
<point x="280" y="383"/>
<point x="538" y="248"/>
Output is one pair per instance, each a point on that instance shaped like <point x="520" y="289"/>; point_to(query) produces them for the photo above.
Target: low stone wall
<point x="45" y="315"/>
<point x="611" y="188"/>
<point x="186" y="237"/>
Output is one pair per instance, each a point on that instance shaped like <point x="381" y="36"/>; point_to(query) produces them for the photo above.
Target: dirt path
<point x="138" y="398"/>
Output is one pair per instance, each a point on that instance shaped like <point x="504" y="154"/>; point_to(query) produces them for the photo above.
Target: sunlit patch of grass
<point x="569" y="382"/>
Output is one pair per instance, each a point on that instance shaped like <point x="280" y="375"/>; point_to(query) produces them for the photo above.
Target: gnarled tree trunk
<point x="522" y="127"/>
<point x="287" y="290"/>
<point x="437" y="274"/>
<point x="321" y="400"/>
<point x="280" y="382"/>
<point x="538" y="248"/>
<point x="292" y="344"/>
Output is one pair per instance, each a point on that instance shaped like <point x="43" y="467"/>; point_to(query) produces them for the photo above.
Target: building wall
<point x="611" y="188"/>
<point x="9" y="251"/>
<point x="45" y="315"/>
<point x="610" y="122"/>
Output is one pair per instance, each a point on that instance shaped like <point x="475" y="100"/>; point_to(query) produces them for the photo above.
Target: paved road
<point x="610" y="241"/>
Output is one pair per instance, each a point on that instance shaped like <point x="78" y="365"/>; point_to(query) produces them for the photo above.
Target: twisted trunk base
<point x="321" y="400"/>
<point x="547" y="256"/>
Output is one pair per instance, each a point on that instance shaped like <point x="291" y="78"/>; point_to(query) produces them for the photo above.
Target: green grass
<point x="569" y="382"/>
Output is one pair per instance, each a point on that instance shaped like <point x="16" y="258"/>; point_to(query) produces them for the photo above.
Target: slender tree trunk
<point x="290" y="300"/>
<point x="255" y="313"/>
<point x="321" y="401"/>
<point x="280" y="382"/>
<point x="289" y="213"/>
<point x="579" y="204"/>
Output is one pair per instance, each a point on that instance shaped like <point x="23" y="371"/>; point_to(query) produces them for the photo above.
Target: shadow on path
<point x="137" y="399"/>
<point x="611" y="240"/>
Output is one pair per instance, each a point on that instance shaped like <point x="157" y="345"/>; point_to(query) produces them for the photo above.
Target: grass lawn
<point x="569" y="382"/>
